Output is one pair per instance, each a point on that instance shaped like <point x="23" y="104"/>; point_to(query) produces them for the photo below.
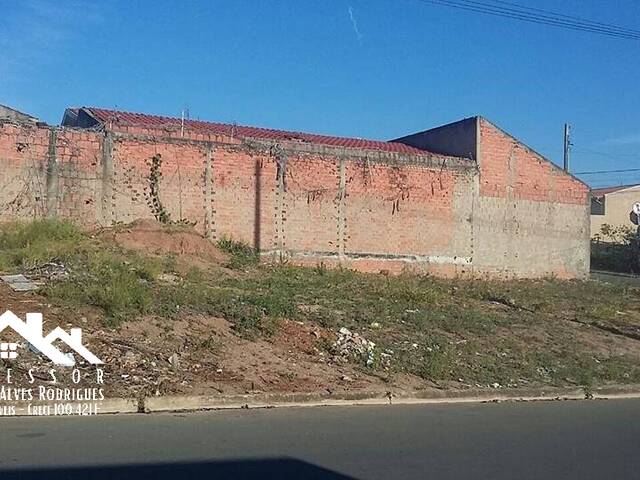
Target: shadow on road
<point x="280" y="468"/>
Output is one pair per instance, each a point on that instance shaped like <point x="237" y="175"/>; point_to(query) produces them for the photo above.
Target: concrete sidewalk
<point x="185" y="403"/>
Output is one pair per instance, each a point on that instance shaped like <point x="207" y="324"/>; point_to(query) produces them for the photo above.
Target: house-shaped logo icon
<point x="31" y="331"/>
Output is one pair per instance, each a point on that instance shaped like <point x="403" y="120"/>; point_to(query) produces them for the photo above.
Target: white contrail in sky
<point x="355" y="24"/>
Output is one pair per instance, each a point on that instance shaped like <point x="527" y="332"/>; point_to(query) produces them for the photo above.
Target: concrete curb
<point x="187" y="403"/>
<point x="615" y="274"/>
<point x="119" y="405"/>
<point x="195" y="403"/>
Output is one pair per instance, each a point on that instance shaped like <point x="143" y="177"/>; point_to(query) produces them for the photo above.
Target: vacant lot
<point x="172" y="312"/>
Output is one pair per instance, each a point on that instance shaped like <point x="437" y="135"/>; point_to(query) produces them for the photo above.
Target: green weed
<point x="242" y="255"/>
<point x="25" y="245"/>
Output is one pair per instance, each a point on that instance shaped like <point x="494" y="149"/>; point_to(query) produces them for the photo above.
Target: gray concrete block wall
<point x="523" y="238"/>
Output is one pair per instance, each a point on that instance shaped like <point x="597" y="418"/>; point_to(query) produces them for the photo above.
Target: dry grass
<point x="470" y="333"/>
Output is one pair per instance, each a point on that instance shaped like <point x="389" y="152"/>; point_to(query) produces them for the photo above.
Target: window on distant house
<point x="597" y="205"/>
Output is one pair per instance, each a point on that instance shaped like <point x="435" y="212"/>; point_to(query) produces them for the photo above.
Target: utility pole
<point x="185" y="115"/>
<point x="567" y="144"/>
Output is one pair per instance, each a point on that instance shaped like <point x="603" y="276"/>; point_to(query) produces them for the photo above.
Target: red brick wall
<point x="25" y="152"/>
<point x="398" y="209"/>
<point x="238" y="211"/>
<point x="181" y="185"/>
<point x="381" y="211"/>
<point x="22" y="191"/>
<point x="508" y="169"/>
<point x="368" y="210"/>
<point x="312" y="204"/>
<point x="531" y="219"/>
<point x="381" y="215"/>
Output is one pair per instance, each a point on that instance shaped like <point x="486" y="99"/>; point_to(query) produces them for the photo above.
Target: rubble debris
<point x="350" y="344"/>
<point x="53" y="270"/>
<point x="168" y="278"/>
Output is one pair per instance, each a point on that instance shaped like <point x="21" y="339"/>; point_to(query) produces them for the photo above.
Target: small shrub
<point x="320" y="269"/>
<point x="242" y="254"/>
<point x="620" y="234"/>
<point x="615" y="248"/>
<point x="438" y="363"/>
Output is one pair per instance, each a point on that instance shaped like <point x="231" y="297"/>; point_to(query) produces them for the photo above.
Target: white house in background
<point x="31" y="331"/>
<point x="612" y="205"/>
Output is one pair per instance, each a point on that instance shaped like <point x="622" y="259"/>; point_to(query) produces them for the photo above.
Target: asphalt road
<point x="625" y="279"/>
<point x="545" y="440"/>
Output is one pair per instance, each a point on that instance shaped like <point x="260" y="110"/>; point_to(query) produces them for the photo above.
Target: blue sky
<point x="363" y="68"/>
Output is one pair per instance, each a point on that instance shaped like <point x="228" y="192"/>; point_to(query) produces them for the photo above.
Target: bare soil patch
<point x="183" y="242"/>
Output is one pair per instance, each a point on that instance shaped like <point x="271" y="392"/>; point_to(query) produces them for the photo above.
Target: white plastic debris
<point x="174" y="361"/>
<point x="352" y="345"/>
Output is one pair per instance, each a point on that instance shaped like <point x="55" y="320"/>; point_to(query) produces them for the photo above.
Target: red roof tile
<point x="155" y="121"/>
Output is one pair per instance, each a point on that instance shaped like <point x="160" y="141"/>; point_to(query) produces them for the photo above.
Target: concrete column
<point x="106" y="199"/>
<point x="342" y="207"/>
<point x="280" y="215"/>
<point x="52" y="176"/>
<point x="208" y="195"/>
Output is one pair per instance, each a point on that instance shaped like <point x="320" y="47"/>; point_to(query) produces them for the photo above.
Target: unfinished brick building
<point x="462" y="199"/>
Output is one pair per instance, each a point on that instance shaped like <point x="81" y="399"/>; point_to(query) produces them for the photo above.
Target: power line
<point x="524" y="15"/>
<point x="618" y="178"/>
<point x="574" y="18"/>
<point x="620" y="183"/>
<point x="527" y="15"/>
<point x="612" y="182"/>
<point x="609" y="171"/>
<point x="594" y="152"/>
<point x="556" y="19"/>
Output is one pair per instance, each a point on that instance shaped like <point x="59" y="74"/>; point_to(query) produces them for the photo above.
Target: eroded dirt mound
<point x="153" y="238"/>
